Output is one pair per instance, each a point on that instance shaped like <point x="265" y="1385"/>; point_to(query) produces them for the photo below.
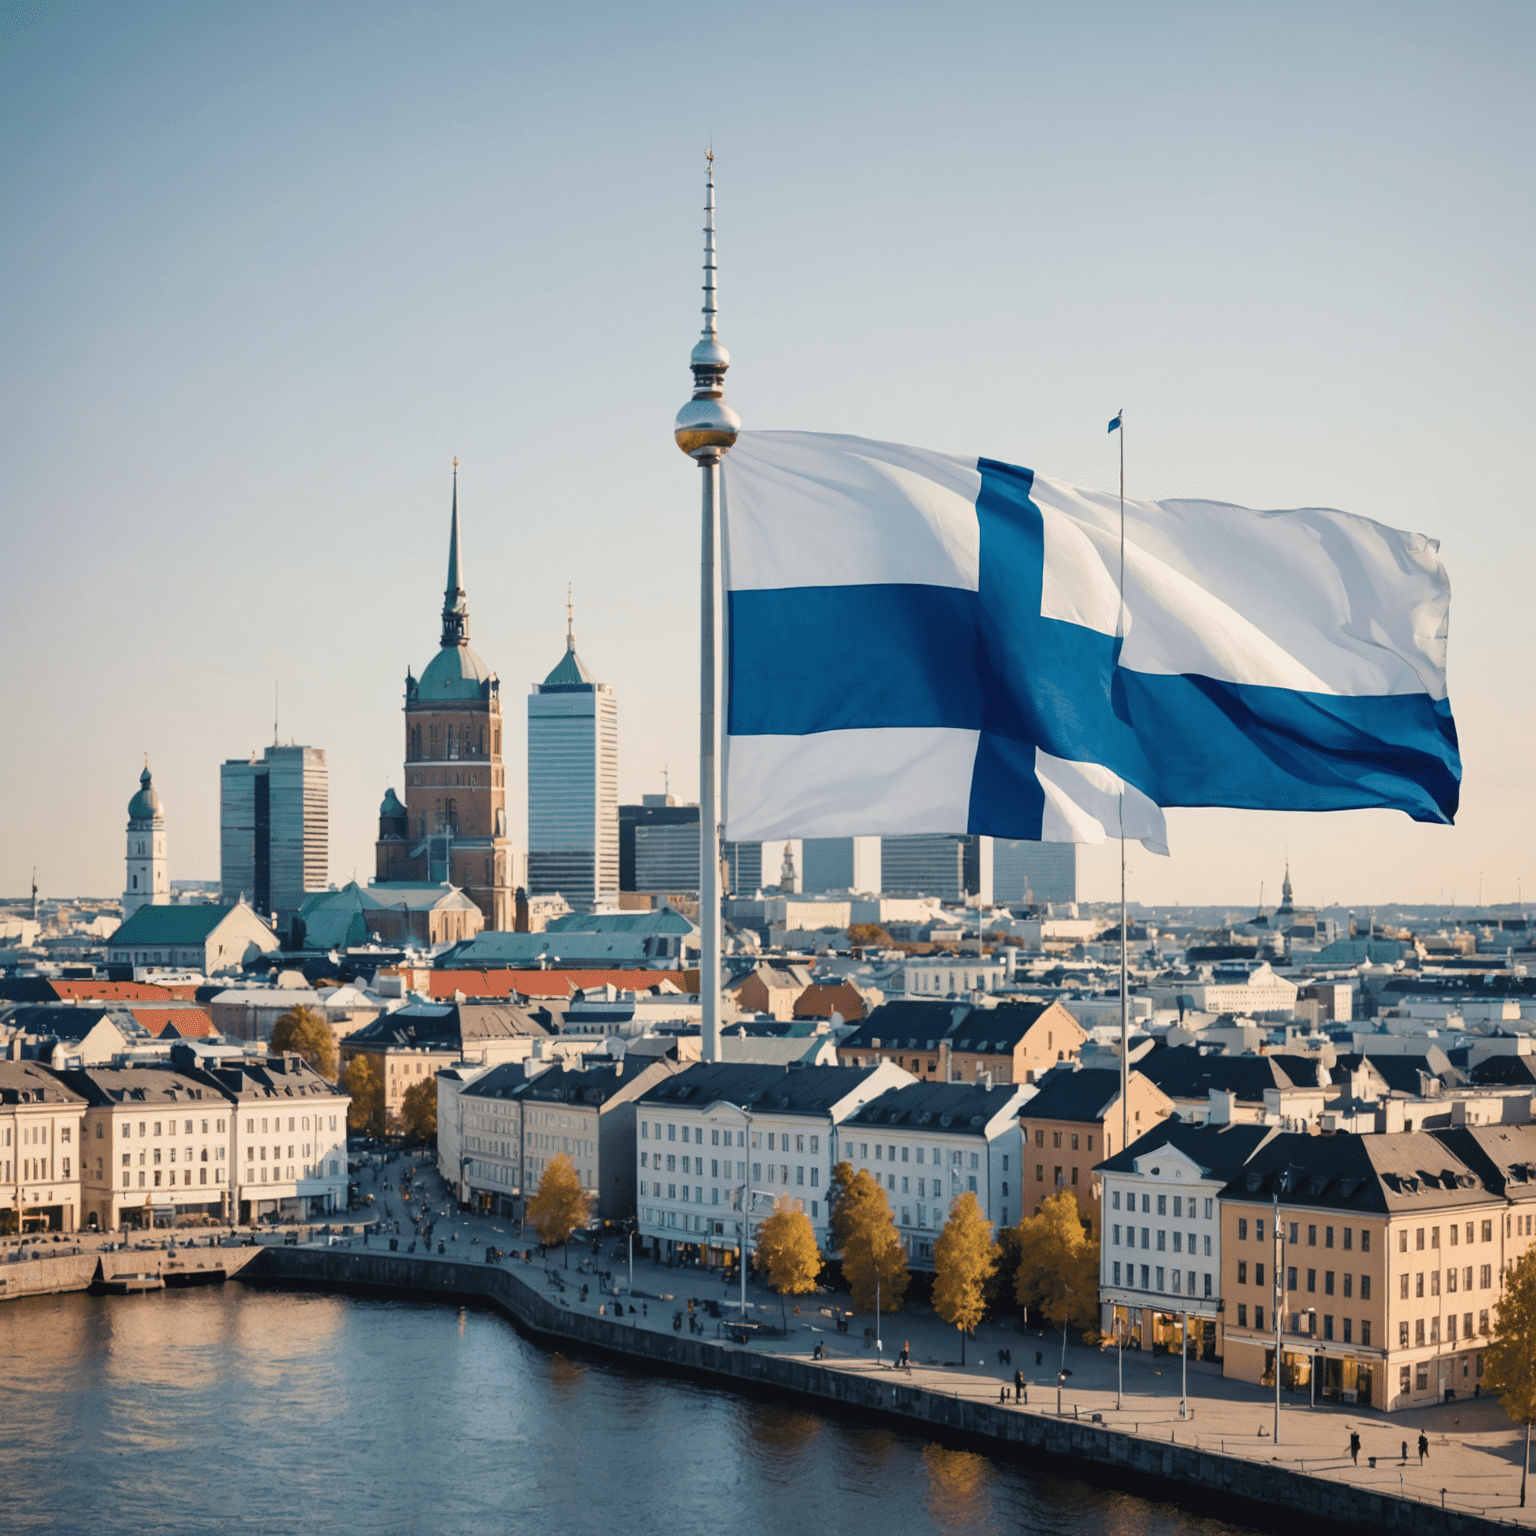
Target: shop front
<point x="1163" y="1333"/>
<point x="1339" y="1378"/>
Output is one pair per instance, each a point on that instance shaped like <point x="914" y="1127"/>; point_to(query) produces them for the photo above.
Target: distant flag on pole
<point x="1114" y="426"/>
<point x="925" y="643"/>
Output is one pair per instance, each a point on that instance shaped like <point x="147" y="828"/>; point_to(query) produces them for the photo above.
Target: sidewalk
<point x="1474" y="1450"/>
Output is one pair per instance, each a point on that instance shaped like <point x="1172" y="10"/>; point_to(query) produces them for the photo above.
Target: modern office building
<point x="949" y="865"/>
<point x="573" y="784"/>
<point x="147" y="880"/>
<point x="839" y="864"/>
<point x="669" y="832"/>
<point x="743" y="868"/>
<point x="1033" y="872"/>
<point x="452" y="826"/>
<point x="274" y="828"/>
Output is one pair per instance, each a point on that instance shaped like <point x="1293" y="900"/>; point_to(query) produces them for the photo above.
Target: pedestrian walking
<point x="1018" y="1386"/>
<point x="1354" y="1446"/>
<point x="1423" y="1447"/>
<point x="1039" y="1357"/>
<point x="1405" y="1453"/>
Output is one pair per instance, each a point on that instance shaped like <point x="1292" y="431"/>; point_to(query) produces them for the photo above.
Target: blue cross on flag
<point x="924" y="643"/>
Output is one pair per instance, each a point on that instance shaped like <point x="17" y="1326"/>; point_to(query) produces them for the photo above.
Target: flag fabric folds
<point x="1114" y="425"/>
<point x="920" y="643"/>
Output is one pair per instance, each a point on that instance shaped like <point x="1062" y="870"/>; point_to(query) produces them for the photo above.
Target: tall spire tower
<point x="455" y="603"/>
<point x="705" y="429"/>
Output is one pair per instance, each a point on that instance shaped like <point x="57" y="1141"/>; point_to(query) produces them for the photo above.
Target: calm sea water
<point x="236" y="1409"/>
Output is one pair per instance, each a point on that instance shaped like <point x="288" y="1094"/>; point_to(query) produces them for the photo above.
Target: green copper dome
<point x="145" y="805"/>
<point x="456" y="672"/>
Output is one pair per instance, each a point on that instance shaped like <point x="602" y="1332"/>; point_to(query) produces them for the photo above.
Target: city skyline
<point x="239" y="389"/>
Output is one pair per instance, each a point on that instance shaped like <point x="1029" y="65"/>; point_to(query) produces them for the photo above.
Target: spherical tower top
<point x="707" y="426"/>
<point x="145" y="806"/>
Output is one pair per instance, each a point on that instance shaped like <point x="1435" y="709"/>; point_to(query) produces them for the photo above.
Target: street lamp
<point x="1184" y="1368"/>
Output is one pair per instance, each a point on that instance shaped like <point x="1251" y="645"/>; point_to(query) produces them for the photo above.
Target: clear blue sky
<point x="268" y="268"/>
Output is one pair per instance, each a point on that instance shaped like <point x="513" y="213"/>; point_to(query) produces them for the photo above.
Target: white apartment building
<point x="752" y="1134"/>
<point x="1160" y="1258"/>
<point x="929" y="1142"/>
<point x="1257" y="992"/>
<point x="40" y="1150"/>
<point x="951" y="976"/>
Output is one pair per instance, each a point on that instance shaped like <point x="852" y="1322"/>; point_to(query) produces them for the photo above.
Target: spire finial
<point x="455" y="605"/>
<point x="707" y="426"/>
<point x="570" y="620"/>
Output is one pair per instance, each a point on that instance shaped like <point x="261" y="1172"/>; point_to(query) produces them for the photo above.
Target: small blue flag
<point x="1114" y="425"/>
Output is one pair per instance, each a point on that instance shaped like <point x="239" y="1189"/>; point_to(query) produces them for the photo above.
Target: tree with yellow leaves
<point x="1058" y="1273"/>
<point x="787" y="1252"/>
<point x="362" y="1081"/>
<point x="306" y="1033"/>
<point x="964" y="1259"/>
<point x="560" y="1204"/>
<point x="1510" y="1360"/>
<point x="864" y="1229"/>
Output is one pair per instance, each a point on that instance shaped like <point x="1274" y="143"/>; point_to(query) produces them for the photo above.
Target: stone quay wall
<point x="81" y="1271"/>
<point x="1232" y="1486"/>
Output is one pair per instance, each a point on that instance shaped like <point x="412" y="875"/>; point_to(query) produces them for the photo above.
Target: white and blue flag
<point x="924" y="643"/>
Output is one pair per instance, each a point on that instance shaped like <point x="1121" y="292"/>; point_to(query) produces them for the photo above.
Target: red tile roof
<point x="114" y="991"/>
<point x="552" y="983"/>
<point x="179" y="1023"/>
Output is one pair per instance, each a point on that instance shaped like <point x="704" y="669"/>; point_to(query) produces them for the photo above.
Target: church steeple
<point x="455" y="604"/>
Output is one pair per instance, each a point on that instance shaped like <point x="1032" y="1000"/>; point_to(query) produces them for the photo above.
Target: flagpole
<point x="705" y="429"/>
<point x="1125" y="999"/>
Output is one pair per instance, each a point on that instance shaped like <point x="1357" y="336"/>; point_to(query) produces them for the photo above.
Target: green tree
<point x="418" y="1110"/>
<point x="1058" y="1272"/>
<point x="964" y="1259"/>
<point x="874" y="1260"/>
<point x="560" y="1204"/>
<point x="362" y="1081"/>
<point x="304" y="1031"/>
<point x="787" y="1252"/>
<point x="1509" y="1363"/>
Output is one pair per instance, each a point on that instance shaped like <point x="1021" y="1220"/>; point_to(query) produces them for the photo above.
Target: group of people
<point x="1354" y="1447"/>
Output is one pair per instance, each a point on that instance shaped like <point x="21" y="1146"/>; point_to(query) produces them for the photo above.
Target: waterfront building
<point x="41" y="1147"/>
<point x="158" y="1143"/>
<point x="412" y="1044"/>
<point x="203" y="939"/>
<point x="274" y="829"/>
<point x="956" y="1042"/>
<point x="927" y="1144"/>
<point x="451" y="827"/>
<point x="587" y="1113"/>
<point x="1160" y="1255"/>
<point x="1033" y="874"/>
<point x="147" y="881"/>
<point x="1072" y="1124"/>
<point x="750" y="1132"/>
<point x="573" y="784"/>
<point x="1392" y="1250"/>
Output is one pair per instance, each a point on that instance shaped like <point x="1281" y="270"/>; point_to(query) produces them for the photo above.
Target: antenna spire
<point x="707" y="425"/>
<point x="455" y="604"/>
<point x="570" y="622"/>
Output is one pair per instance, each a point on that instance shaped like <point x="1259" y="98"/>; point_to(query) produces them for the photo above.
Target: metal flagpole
<point x="1118" y="425"/>
<point x="705" y="429"/>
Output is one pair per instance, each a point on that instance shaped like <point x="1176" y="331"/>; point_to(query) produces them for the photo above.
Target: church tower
<point x="452" y="825"/>
<point x="148" y="882"/>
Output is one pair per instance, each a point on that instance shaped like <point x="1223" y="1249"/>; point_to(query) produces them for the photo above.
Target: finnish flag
<point x="918" y="642"/>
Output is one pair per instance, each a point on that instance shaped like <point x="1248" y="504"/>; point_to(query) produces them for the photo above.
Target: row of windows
<point x="929" y="1188"/>
<point x="125" y="1127"/>
<point x="1162" y="1240"/>
<point x="277" y="1124"/>
<point x="37" y="1135"/>
<point x="1056" y="1138"/>
<point x="34" y="1168"/>
<point x="1454" y="1279"/>
<point x="217" y="1151"/>
<point x="1291" y="1277"/>
<point x="1060" y="1178"/>
<point x="1421" y="1336"/>
<point x="186" y="1177"/>
<point x="1179" y="1203"/>
<point x="1454" y="1233"/>
<point x="887" y="1154"/>
<point x="1155" y="1277"/>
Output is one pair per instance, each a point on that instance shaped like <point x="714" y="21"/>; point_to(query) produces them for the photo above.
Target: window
<point x="1402" y="1286"/>
<point x="1487" y="1231"/>
<point x="1365" y="1291"/>
<point x="1485" y="1277"/>
<point x="1311" y="1279"/>
<point x="1242" y="1228"/>
<point x="1403" y="1374"/>
<point x="1242" y="1272"/>
<point x="1349" y="1237"/>
<point x="1365" y="1241"/>
<point x="1402" y="1343"/>
<point x="1328" y="1282"/>
<point x="1114" y="1204"/>
<point x="1365" y="1332"/>
<point x="1418" y="1238"/>
<point x="1242" y="1315"/>
<point x="1290" y="1278"/>
<point x="1328" y="1325"/>
<point x="1418" y="1331"/>
<point x="1311" y="1237"/>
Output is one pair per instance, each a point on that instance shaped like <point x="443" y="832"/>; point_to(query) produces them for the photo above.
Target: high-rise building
<point x="573" y="784"/>
<point x="839" y="864"/>
<point x="743" y="868"/>
<point x="651" y="816"/>
<point x="452" y="826"/>
<point x="148" y="881"/>
<point x="948" y="865"/>
<point x="1033" y="872"/>
<point x="274" y="828"/>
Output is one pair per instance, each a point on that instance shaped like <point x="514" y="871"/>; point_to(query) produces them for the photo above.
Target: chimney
<point x="1389" y="1115"/>
<point x="1223" y="1103"/>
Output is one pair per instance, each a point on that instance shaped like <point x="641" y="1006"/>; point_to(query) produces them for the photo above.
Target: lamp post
<point x="1120" y="1328"/>
<point x="1184" y="1368"/>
